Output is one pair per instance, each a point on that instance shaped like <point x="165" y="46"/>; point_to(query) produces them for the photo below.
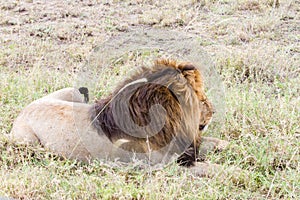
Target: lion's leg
<point x="23" y="133"/>
<point x="210" y="170"/>
<point x="203" y="169"/>
<point x="210" y="144"/>
<point x="216" y="143"/>
<point x="199" y="150"/>
<point x="67" y="94"/>
<point x="131" y="146"/>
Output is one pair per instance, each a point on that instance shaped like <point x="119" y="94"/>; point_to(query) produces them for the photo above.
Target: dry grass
<point x="254" y="45"/>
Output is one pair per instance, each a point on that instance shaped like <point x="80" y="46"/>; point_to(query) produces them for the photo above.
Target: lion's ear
<point x="194" y="78"/>
<point x="186" y="67"/>
<point x="192" y="74"/>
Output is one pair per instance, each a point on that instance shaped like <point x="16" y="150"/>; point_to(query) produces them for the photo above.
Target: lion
<point x="157" y="115"/>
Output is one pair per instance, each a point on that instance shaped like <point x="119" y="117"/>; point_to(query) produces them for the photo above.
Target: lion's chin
<point x="204" y="127"/>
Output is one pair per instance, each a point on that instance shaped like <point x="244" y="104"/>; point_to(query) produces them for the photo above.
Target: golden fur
<point x="127" y="122"/>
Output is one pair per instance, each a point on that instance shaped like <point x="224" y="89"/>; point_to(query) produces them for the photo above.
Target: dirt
<point x="62" y="34"/>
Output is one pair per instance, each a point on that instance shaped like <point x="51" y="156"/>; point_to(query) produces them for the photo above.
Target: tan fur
<point x="63" y="123"/>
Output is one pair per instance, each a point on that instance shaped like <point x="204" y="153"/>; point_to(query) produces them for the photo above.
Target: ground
<point x="254" y="45"/>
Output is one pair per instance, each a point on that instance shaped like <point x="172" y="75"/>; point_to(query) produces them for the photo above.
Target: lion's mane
<point x="126" y="113"/>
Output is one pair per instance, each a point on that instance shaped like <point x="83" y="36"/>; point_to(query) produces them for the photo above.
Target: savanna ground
<point x="255" y="46"/>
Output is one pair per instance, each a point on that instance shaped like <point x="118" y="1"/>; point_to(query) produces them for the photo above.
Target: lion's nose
<point x="213" y="109"/>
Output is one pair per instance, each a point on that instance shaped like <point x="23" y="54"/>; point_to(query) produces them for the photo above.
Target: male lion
<point x="156" y="115"/>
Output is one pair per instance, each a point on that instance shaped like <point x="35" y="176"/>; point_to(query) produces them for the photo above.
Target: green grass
<point x="255" y="49"/>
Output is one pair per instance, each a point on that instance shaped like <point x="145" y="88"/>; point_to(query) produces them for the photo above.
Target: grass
<point x="255" y="49"/>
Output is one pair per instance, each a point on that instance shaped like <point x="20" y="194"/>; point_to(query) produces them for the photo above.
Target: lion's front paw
<point x="203" y="169"/>
<point x="221" y="145"/>
<point x="214" y="143"/>
<point x="211" y="170"/>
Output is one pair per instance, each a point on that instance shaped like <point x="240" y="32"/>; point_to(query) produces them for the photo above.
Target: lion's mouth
<point x="202" y="127"/>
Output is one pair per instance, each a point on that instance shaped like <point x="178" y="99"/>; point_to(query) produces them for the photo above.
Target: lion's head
<point x="195" y="79"/>
<point x="158" y="106"/>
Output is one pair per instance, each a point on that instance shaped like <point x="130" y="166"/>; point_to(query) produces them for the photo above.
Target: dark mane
<point x="131" y="112"/>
